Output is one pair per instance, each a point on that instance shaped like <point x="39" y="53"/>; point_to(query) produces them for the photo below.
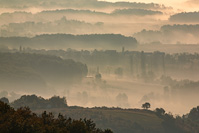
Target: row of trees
<point x="129" y="63"/>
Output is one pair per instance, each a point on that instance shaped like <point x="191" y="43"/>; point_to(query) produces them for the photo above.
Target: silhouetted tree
<point x="146" y="105"/>
<point x="160" y="111"/>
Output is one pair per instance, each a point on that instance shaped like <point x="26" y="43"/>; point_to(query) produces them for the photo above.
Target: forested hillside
<point x="33" y="71"/>
<point x="64" y="41"/>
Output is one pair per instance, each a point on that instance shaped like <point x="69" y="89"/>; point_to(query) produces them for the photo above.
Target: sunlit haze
<point x="126" y="67"/>
<point x="190" y="5"/>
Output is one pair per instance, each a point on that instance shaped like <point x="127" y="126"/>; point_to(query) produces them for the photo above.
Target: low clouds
<point x="192" y="2"/>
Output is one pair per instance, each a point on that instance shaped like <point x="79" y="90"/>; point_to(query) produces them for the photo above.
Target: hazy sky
<point x="177" y="4"/>
<point x="154" y="1"/>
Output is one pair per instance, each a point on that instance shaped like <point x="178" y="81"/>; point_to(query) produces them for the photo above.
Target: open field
<point x="118" y="120"/>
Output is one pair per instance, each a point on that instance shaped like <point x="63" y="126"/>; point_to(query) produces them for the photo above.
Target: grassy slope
<point x="116" y="119"/>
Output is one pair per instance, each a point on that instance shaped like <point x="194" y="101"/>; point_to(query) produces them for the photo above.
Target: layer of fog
<point x="120" y="93"/>
<point x="27" y="18"/>
<point x="118" y="89"/>
<point x="77" y="22"/>
<point x="146" y="25"/>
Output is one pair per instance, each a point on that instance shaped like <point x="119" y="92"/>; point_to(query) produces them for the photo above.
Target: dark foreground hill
<point x="64" y="41"/>
<point x="117" y="119"/>
<point x="23" y="120"/>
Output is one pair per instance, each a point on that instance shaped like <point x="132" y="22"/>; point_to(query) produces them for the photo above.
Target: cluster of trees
<point x="23" y="120"/>
<point x="35" y="102"/>
<point x="184" y="124"/>
<point x="171" y="124"/>
<point x="194" y="114"/>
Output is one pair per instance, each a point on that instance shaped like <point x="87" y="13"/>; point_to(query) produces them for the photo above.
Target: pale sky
<point x="177" y="4"/>
<point x="166" y="2"/>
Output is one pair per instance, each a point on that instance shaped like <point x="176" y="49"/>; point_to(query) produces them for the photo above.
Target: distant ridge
<point x="64" y="41"/>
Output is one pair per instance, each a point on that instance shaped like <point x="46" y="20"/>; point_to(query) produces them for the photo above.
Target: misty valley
<point x="126" y="79"/>
<point x="91" y="66"/>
